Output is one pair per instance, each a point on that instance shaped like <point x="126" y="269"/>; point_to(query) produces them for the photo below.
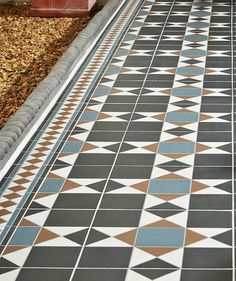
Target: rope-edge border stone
<point x="22" y="121"/>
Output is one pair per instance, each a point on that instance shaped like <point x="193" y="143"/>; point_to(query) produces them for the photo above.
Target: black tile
<point x="90" y="172"/>
<point x="52" y="257"/>
<point x="217" y="78"/>
<point x="69" y="218"/>
<point x="131" y="77"/>
<point x="117" y="108"/>
<point x="109" y="257"/>
<point x="160" y="77"/>
<point x="214" y="126"/>
<point x="207" y="258"/>
<point x="95" y="159"/>
<point x="112" y="218"/>
<point x="213" y="160"/>
<point x="100" y="274"/>
<point x="128" y="83"/>
<point x="135" y="159"/>
<point x="139" y="63"/>
<point x="216" y="219"/>
<point x="153" y="99"/>
<point x="142" y="136"/>
<point x="157" y="108"/>
<point x="131" y="172"/>
<point x="145" y="126"/>
<point x="154" y="272"/>
<point x="109" y="126"/>
<point x="206" y="275"/>
<point x="122" y="201"/>
<point x="216" y="100"/>
<point x="216" y="84"/>
<point x="44" y="274"/>
<point x="76" y="201"/>
<point x="121" y="99"/>
<point x="138" y="58"/>
<point x="212" y="173"/>
<point x="210" y="202"/>
<point x="158" y="84"/>
<point x="214" y="136"/>
<point x="216" y="108"/>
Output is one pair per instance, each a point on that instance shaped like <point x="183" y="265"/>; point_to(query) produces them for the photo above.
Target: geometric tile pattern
<point x="130" y="176"/>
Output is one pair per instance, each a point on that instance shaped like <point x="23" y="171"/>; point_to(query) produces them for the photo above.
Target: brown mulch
<point x="29" y="47"/>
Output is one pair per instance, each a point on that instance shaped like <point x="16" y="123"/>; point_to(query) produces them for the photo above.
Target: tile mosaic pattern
<point x="130" y="177"/>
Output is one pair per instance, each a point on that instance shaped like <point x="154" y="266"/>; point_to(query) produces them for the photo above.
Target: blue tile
<point x="193" y="70"/>
<point x="196" y="38"/>
<point x="169" y="186"/>
<point x="186" y="92"/>
<point x="193" y="53"/>
<point x="101" y="91"/>
<point x="24" y="236"/>
<point x="72" y="146"/>
<point x="51" y="185"/>
<point x="182" y="117"/>
<point x="89" y="116"/>
<point x="176" y="147"/>
<point x="168" y="237"/>
<point x="112" y="70"/>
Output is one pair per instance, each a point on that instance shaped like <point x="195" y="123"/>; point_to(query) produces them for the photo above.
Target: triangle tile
<point x="45" y="235"/>
<point x="128" y="237"/>
<point x="78" y="237"/>
<point x="192" y="237"/>
<point x="153" y="274"/>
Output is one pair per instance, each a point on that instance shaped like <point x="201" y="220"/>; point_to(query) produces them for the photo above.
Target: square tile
<point x="117" y="218"/>
<point x="212" y="173"/>
<point x="109" y="126"/>
<point x="100" y="274"/>
<point x="24" y="236"/>
<point x="196" y="275"/>
<point x="44" y="274"/>
<point x="105" y="136"/>
<point x="76" y="201"/>
<point x="160" y="237"/>
<point x="131" y="172"/>
<point x="214" y="126"/>
<point x="52" y="257"/>
<point x="94" y="159"/>
<point x="213" y="136"/>
<point x="122" y="201"/>
<point x="90" y="172"/>
<point x="108" y="257"/>
<point x="69" y="218"/>
<point x="140" y="136"/>
<point x="213" y="160"/>
<point x="135" y="159"/>
<point x="145" y="126"/>
<point x="158" y="186"/>
<point x="207" y="258"/>
<point x="210" y="202"/>
<point x="210" y="219"/>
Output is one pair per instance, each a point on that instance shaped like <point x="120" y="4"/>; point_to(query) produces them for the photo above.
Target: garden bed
<point x="29" y="48"/>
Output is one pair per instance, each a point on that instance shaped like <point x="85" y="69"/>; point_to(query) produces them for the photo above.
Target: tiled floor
<point x="130" y="177"/>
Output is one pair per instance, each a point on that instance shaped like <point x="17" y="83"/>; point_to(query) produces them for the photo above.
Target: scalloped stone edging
<point x="14" y="130"/>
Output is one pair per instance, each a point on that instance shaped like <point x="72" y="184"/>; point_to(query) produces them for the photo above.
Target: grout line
<point x="121" y="142"/>
<point x="232" y="124"/>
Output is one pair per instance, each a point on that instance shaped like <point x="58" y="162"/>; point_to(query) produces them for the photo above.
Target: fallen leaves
<point x="29" y="47"/>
